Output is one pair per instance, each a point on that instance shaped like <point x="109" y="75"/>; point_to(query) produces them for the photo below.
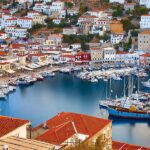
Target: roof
<point x="8" y="124"/>
<point x="17" y="45"/>
<point x="124" y="146"/>
<point x="145" y="55"/>
<point x="63" y="126"/>
<point x="145" y="15"/>
<point x="145" y="32"/>
<point x="122" y="52"/>
<point x="95" y="48"/>
<point x="116" y="27"/>
<point x="16" y="143"/>
<point x="2" y="53"/>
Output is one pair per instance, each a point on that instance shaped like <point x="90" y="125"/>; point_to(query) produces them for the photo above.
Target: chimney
<point x="5" y="147"/>
<point x="45" y="125"/>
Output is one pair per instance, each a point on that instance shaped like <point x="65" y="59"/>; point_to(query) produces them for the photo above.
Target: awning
<point x="31" y="66"/>
<point x="10" y="71"/>
<point x="26" y="68"/>
<point x="41" y="63"/>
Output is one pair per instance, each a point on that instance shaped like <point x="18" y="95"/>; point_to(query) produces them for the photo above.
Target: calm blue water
<point x="43" y="100"/>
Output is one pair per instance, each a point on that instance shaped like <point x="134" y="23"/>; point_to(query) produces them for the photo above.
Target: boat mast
<point x="138" y="82"/>
<point x="129" y="87"/>
<point x="124" y="95"/>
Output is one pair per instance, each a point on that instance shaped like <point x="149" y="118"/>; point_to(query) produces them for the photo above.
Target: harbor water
<point x="66" y="93"/>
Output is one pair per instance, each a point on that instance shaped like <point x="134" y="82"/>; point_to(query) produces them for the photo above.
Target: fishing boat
<point x="65" y="70"/>
<point x="2" y="95"/>
<point x="94" y="79"/>
<point x="136" y="106"/>
<point x="39" y="77"/>
<point x="116" y="77"/>
<point x="48" y="74"/>
<point x="22" y="82"/>
<point x="146" y="84"/>
<point x="30" y="80"/>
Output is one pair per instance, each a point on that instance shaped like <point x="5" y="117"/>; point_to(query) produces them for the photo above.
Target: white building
<point x="117" y="1"/>
<point x="57" y="21"/>
<point x="33" y="13"/>
<point x="116" y="37"/>
<point x="3" y="35"/>
<point x="25" y="22"/>
<point x="10" y="22"/>
<point x="39" y="7"/>
<point x="57" y="6"/>
<point x="145" y="3"/>
<point x="109" y="54"/>
<point x="14" y="31"/>
<point x="128" y="58"/>
<point x="13" y="127"/>
<point x="145" y="21"/>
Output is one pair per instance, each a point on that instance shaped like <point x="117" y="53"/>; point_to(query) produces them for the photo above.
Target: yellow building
<point x="39" y="18"/>
<point x="4" y="66"/>
<point x="96" y="54"/>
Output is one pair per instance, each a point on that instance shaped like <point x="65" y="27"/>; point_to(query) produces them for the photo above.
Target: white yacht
<point x="146" y="84"/>
<point x="94" y="80"/>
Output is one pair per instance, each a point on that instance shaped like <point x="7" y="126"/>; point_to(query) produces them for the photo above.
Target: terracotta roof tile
<point x="8" y="124"/>
<point x="61" y="127"/>
<point x="124" y="146"/>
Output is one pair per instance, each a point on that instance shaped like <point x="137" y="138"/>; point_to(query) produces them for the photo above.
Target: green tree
<point x="68" y="4"/>
<point x="127" y="25"/>
<point x="140" y="10"/>
<point x="82" y="9"/>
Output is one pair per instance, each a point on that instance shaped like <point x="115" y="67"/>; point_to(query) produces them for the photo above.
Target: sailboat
<point x="146" y="84"/>
<point x="128" y="107"/>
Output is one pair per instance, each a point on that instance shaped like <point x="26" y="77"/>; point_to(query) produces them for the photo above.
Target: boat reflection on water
<point x="132" y="122"/>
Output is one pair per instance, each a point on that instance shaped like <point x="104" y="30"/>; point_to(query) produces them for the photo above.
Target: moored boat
<point x="146" y="84"/>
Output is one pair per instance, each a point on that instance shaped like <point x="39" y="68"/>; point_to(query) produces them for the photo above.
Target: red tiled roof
<point x="124" y="146"/>
<point x="122" y="52"/>
<point x="145" y="55"/>
<point x="8" y="124"/>
<point x="38" y="55"/>
<point x="17" y="45"/>
<point x="60" y="127"/>
<point x="2" y="53"/>
<point x="4" y="63"/>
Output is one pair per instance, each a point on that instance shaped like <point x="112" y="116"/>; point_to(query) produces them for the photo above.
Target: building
<point x="127" y="58"/>
<point x="23" y="143"/>
<point x="122" y="146"/>
<point x="39" y="18"/>
<point x="15" y="31"/>
<point x="129" y="6"/>
<point x="146" y="3"/>
<point x="85" y="27"/>
<point x="117" y="1"/>
<point x="96" y="54"/>
<point x="145" y="60"/>
<point x="82" y="57"/>
<point x="70" y="30"/>
<point x="3" y="35"/>
<point x="57" y="6"/>
<point x="88" y="18"/>
<point x="39" y="58"/>
<point x="145" y="21"/>
<point x="117" y="33"/>
<point x="25" y="22"/>
<point x="54" y="40"/>
<point x="13" y="127"/>
<point x="144" y="41"/>
<point x="67" y="128"/>
<point x="109" y="54"/>
<point x="57" y="21"/>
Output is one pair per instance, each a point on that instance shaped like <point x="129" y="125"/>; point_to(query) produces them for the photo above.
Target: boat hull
<point x="121" y="114"/>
